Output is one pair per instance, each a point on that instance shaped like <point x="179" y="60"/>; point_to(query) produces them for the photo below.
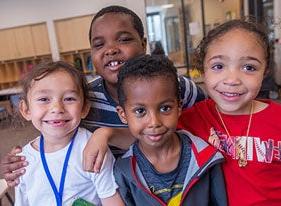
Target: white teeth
<point x="114" y="63"/>
<point x="230" y="94"/>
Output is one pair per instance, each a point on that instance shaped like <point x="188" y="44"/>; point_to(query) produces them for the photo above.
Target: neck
<point x="112" y="90"/>
<point x="245" y="110"/>
<point x="171" y="148"/>
<point x="53" y="144"/>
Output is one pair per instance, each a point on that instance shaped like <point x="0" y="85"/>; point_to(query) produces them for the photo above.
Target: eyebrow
<point x="216" y="57"/>
<point x="46" y="91"/>
<point x="119" y="33"/>
<point x="169" y="100"/>
<point x="242" y="58"/>
<point x="251" y="58"/>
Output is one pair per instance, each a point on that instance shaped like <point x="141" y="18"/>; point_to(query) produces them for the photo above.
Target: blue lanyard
<point x="58" y="194"/>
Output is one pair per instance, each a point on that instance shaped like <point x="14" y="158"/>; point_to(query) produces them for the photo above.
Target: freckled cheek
<point x="210" y="83"/>
<point x="255" y="88"/>
<point x="255" y="83"/>
<point x="96" y="61"/>
<point x="210" y="79"/>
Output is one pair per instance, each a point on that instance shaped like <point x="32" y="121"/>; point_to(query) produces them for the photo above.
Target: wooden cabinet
<point x="81" y="60"/>
<point x="12" y="71"/>
<point x="73" y="41"/>
<point x="8" y="48"/>
<point x="40" y="39"/>
<point x="23" y="42"/>
<point x="21" y="47"/>
<point x="72" y="34"/>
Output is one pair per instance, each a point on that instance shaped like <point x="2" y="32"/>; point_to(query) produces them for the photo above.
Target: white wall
<point x="277" y="51"/>
<point x="22" y="12"/>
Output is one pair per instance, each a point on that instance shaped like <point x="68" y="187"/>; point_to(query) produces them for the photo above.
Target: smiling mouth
<point x="155" y="137"/>
<point x="56" y="122"/>
<point x="114" y="63"/>
<point x="230" y="94"/>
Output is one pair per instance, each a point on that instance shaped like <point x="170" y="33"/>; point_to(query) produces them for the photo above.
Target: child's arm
<point x="97" y="145"/>
<point x="114" y="200"/>
<point x="105" y="182"/>
<point x="12" y="166"/>
<point x="190" y="92"/>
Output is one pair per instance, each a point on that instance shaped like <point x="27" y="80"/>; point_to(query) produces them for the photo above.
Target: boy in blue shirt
<point x="164" y="166"/>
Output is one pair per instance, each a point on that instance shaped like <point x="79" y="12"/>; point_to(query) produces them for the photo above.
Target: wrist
<point x="104" y="132"/>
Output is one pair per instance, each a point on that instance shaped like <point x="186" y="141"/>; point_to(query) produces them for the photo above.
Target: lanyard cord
<point x="57" y="194"/>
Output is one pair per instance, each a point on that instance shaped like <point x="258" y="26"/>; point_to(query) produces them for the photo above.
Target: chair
<point x="4" y="116"/>
<point x="16" y="118"/>
<point x="3" y="113"/>
<point x="4" y="192"/>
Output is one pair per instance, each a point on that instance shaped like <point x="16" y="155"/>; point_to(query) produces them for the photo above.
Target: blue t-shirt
<point x="165" y="185"/>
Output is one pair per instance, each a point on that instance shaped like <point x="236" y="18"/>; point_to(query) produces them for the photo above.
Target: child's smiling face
<point x="55" y="105"/>
<point x="114" y="41"/>
<point x="151" y="110"/>
<point x="234" y="68"/>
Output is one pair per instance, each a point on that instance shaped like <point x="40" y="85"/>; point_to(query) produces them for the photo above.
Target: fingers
<point x="9" y="159"/>
<point x="13" y="183"/>
<point x="98" y="162"/>
<point x="11" y="156"/>
<point x="12" y="178"/>
<point x="12" y="166"/>
<point x="10" y="163"/>
<point x="89" y="161"/>
<point x="16" y="150"/>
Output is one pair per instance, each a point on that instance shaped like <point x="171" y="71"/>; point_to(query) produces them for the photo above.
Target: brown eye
<point x="249" y="68"/>
<point x="165" y="108"/>
<point x="140" y="112"/>
<point x="97" y="44"/>
<point x="217" y="67"/>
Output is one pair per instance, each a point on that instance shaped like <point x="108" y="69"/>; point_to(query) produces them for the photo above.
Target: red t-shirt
<point x="259" y="182"/>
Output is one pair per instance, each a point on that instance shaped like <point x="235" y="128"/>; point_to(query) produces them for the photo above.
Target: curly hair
<point x="146" y="67"/>
<point x="136" y="21"/>
<point x="248" y="25"/>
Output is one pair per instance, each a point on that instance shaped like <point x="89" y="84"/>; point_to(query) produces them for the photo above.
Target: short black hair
<point x="146" y="67"/>
<point x="136" y="21"/>
<point x="249" y="25"/>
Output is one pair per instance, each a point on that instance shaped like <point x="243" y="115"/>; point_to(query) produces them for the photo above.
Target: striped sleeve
<point x="190" y="92"/>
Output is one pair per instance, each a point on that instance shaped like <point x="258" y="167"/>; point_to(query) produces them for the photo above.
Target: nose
<point x="57" y="107"/>
<point x="112" y="49"/>
<point x="154" y="120"/>
<point x="232" y="77"/>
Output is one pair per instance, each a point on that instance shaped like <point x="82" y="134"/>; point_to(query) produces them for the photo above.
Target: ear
<point x="180" y="108"/>
<point x="266" y="72"/>
<point x="85" y="109"/>
<point x="122" y="114"/>
<point x="24" y="110"/>
<point x="203" y="76"/>
<point x="144" y="44"/>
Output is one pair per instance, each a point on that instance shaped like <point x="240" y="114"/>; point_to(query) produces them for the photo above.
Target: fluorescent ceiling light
<point x="167" y="6"/>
